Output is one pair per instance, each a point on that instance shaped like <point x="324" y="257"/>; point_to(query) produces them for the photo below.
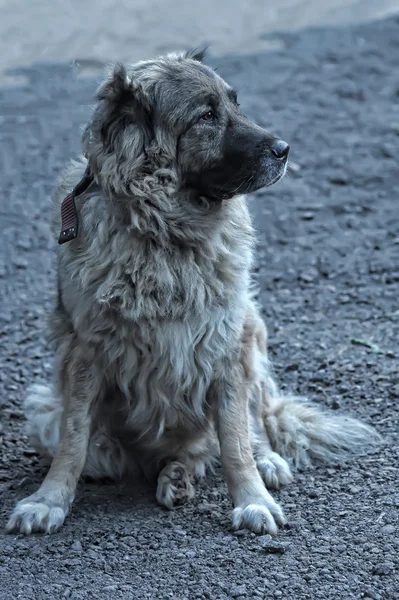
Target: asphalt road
<point x="328" y="270"/>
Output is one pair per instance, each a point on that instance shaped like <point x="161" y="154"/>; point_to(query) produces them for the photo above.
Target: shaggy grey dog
<point x="160" y="351"/>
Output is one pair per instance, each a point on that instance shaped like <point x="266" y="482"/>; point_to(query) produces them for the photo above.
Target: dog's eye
<point x="209" y="116"/>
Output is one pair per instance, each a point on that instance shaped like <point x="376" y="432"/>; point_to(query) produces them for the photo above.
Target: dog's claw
<point x="35" y="517"/>
<point x="37" y="513"/>
<point x="259" y="517"/>
<point x="174" y="485"/>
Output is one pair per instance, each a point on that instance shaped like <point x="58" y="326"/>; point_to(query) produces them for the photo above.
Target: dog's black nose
<point x="280" y="149"/>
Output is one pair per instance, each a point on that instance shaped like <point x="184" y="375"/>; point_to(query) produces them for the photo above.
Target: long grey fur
<point x="160" y="351"/>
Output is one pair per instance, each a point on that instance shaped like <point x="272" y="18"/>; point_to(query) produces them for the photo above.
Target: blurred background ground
<point x="44" y="31"/>
<point x="324" y="76"/>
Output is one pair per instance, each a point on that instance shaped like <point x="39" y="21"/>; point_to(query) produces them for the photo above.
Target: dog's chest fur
<point x="163" y="316"/>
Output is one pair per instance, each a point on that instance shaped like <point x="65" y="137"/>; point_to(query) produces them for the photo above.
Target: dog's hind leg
<point x="107" y="457"/>
<point x="273" y="469"/>
<point x="190" y="462"/>
<point x="80" y="383"/>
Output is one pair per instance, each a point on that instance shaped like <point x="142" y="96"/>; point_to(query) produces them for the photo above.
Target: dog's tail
<point x="304" y="434"/>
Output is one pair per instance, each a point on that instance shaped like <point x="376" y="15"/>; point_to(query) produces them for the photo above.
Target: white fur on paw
<point x="259" y="517"/>
<point x="31" y="515"/>
<point x="35" y="517"/>
<point x="274" y="470"/>
<point x="174" y="485"/>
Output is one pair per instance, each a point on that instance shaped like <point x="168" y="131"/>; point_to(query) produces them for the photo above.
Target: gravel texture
<point x="328" y="270"/>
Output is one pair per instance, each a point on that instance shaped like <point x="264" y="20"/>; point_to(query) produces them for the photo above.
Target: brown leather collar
<point x="69" y="214"/>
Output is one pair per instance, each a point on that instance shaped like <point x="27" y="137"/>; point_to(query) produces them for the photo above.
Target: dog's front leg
<point x="254" y="507"/>
<point x="46" y="509"/>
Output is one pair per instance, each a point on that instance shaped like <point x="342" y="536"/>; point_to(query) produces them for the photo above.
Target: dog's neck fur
<point x="157" y="254"/>
<point x="162" y="316"/>
<point x="152" y="203"/>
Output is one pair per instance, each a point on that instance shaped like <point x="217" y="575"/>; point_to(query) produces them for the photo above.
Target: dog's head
<point x="176" y="115"/>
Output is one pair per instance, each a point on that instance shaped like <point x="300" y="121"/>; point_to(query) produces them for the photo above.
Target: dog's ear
<point x="116" y="85"/>
<point x="117" y="139"/>
<point x="197" y="54"/>
<point x="126" y="106"/>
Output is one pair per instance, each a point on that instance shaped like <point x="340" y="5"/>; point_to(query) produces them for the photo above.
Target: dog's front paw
<point x="174" y="485"/>
<point x="37" y="513"/>
<point x="274" y="470"/>
<point x="262" y="516"/>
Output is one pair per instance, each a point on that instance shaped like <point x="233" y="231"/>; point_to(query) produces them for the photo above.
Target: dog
<point x="160" y="351"/>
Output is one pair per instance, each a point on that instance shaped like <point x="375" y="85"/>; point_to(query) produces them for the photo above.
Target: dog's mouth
<point x="270" y="173"/>
<point x="270" y="169"/>
<point x="232" y="178"/>
<point x="278" y="176"/>
<point x="248" y="185"/>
